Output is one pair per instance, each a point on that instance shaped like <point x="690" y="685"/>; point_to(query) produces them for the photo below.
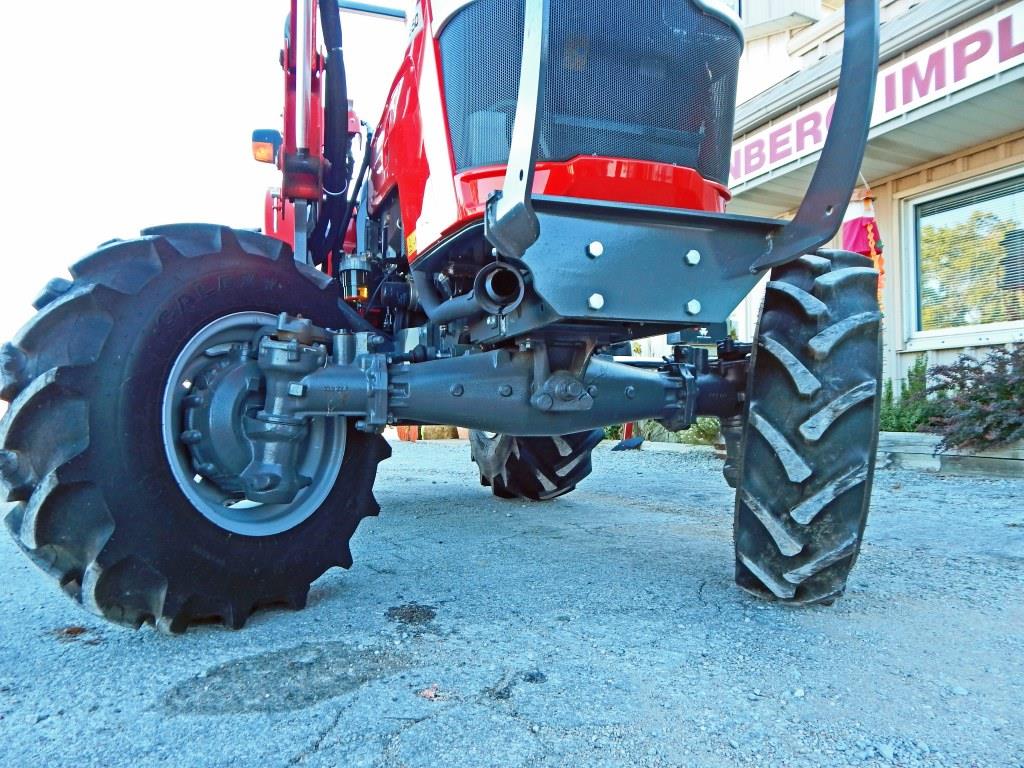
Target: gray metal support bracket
<point x="511" y="225"/>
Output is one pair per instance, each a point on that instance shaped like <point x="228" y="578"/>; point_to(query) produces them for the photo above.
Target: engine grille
<point x="639" y="79"/>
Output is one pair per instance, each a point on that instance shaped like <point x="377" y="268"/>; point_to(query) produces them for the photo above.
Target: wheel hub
<point x="213" y="390"/>
<point x="218" y="402"/>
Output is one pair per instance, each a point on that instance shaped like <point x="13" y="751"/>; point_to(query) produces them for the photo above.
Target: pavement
<point x="602" y="629"/>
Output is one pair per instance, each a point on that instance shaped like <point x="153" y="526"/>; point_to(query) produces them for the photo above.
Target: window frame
<point x="989" y="334"/>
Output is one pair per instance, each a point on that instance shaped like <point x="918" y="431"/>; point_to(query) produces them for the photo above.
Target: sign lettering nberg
<point x="971" y="55"/>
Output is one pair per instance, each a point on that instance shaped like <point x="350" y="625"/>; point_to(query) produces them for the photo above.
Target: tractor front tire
<point x="92" y="493"/>
<point x="534" y="468"/>
<point x="810" y="431"/>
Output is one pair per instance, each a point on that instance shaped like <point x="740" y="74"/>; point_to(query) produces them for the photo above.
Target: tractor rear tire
<point x="534" y="468"/>
<point x="92" y="496"/>
<point x="810" y="430"/>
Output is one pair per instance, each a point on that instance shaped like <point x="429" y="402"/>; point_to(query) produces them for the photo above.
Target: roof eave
<point x="904" y="33"/>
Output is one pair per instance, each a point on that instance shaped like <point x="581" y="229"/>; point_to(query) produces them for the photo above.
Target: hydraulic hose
<point x="426" y="292"/>
<point x="456" y="308"/>
<point x="336" y="137"/>
<point x="337" y="234"/>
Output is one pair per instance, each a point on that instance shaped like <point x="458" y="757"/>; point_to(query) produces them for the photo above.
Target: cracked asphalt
<point x="602" y="629"/>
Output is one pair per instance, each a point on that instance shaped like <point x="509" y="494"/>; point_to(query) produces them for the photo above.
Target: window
<point x="970" y="258"/>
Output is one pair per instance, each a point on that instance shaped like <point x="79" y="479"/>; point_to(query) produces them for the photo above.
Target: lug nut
<point x="545" y="402"/>
<point x="595" y="250"/>
<point x="693" y="257"/>
<point x="191" y="436"/>
<point x="693" y="307"/>
<point x="596" y="302"/>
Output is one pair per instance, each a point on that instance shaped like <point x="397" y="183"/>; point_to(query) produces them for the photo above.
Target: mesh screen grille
<point x="640" y="79"/>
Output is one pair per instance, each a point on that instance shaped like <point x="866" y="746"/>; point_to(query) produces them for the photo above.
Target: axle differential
<point x="308" y="373"/>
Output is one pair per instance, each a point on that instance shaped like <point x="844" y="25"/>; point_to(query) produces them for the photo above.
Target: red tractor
<point x="195" y="417"/>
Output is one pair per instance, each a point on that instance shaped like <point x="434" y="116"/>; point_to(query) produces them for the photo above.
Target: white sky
<point x="124" y="114"/>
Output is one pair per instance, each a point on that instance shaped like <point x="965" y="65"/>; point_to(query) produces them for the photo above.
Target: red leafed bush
<point x="983" y="400"/>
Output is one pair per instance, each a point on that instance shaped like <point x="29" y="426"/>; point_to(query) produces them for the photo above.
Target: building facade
<point x="945" y="159"/>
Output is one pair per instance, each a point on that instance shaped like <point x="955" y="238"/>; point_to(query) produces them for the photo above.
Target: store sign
<point x="968" y="56"/>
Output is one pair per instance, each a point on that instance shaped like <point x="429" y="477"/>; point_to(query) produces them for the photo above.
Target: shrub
<point x="914" y="411"/>
<point x="984" y="400"/>
<point x="703" y="432"/>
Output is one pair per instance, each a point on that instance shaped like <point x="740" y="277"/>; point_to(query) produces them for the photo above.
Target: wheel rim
<point x="320" y="456"/>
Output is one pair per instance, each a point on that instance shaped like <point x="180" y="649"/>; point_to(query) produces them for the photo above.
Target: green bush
<point x="703" y="432"/>
<point x="983" y="400"/>
<point x="914" y="411"/>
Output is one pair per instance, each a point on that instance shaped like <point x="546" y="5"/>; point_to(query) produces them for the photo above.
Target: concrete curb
<point x="915" y="450"/>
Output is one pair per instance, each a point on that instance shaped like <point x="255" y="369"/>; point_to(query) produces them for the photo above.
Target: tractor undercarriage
<point x="305" y="374"/>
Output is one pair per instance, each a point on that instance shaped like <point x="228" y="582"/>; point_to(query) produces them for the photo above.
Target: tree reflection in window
<point x="970" y="249"/>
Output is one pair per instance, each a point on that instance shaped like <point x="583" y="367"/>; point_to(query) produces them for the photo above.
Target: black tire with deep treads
<point x="534" y="468"/>
<point x="91" y="497"/>
<point x="811" y="429"/>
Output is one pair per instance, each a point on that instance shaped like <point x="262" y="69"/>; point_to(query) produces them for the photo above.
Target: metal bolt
<point x="492" y="321"/>
<point x="545" y="402"/>
<point x="693" y="258"/>
<point x="191" y="436"/>
<point x="569" y="390"/>
<point x="252" y="384"/>
<point x="457" y="390"/>
<point x="630" y="392"/>
<point x="592" y="390"/>
<point x="505" y="390"/>
<point x="596" y="302"/>
<point x="595" y="250"/>
<point x="693" y="307"/>
<point x="297" y="389"/>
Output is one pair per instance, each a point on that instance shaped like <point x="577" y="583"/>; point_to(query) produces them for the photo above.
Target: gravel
<point x="602" y="629"/>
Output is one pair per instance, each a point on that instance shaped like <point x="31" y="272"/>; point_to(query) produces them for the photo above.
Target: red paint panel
<point x="596" y="178"/>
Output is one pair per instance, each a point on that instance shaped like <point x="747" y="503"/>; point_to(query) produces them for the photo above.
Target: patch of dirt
<point x="502" y="690"/>
<point x="70" y="633"/>
<point x="412" y="614"/>
<point x="283" y="680"/>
